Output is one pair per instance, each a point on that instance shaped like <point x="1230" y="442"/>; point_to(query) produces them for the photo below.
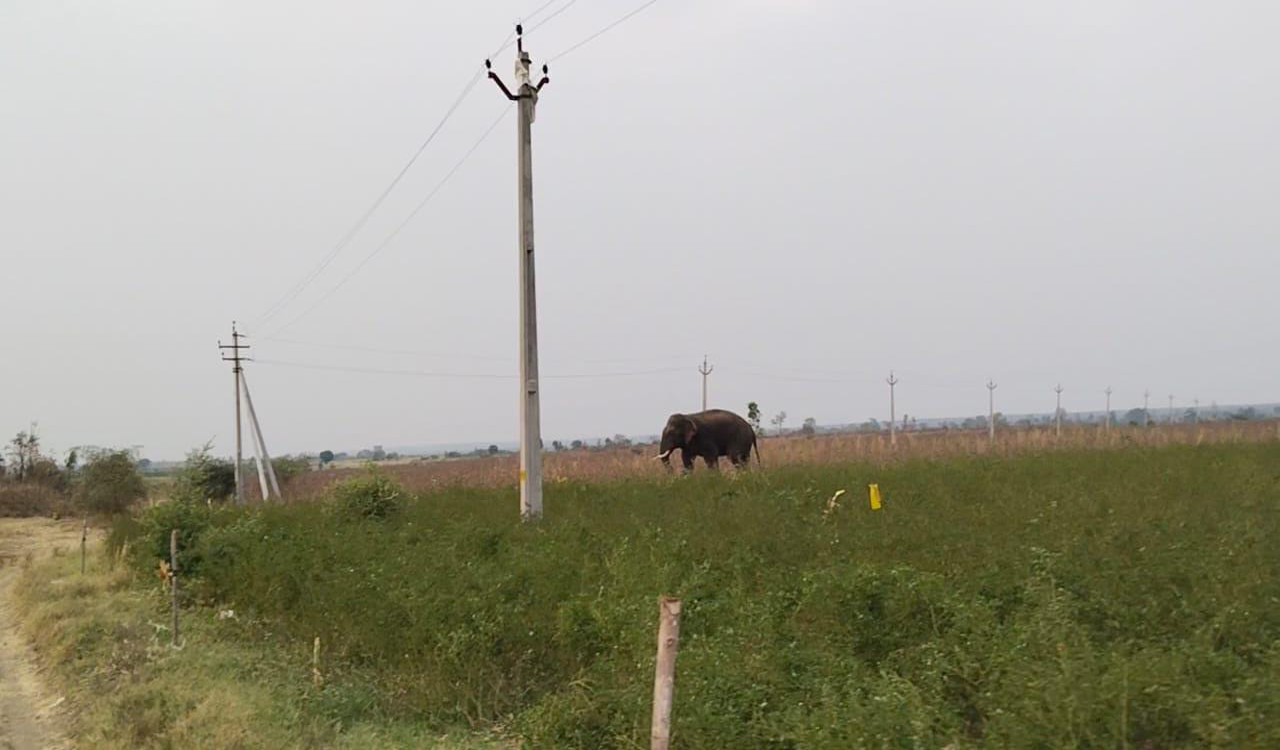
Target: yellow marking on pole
<point x="524" y="476"/>
<point x="875" y="497"/>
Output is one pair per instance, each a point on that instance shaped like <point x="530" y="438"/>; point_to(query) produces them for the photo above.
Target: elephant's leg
<point x="737" y="460"/>
<point x="713" y="461"/>
<point x="686" y="457"/>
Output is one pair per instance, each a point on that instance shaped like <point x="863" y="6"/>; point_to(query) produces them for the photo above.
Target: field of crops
<point x="1065" y="598"/>
<point x="637" y="461"/>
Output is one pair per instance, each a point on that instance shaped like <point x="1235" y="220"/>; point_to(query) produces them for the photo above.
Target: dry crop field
<point x="792" y="450"/>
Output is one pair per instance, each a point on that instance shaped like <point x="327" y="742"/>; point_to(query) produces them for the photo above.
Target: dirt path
<point x="29" y="718"/>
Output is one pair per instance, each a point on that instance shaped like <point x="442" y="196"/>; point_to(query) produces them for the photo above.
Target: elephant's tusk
<point x="663" y="456"/>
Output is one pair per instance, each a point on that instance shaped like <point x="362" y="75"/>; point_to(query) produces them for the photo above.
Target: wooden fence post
<point x="316" y="677"/>
<point x="664" y="677"/>
<point x="173" y="579"/>
<point x="84" y="538"/>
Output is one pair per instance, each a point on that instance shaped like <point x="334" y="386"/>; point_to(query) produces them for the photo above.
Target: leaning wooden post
<point x="316" y="678"/>
<point x="173" y="579"/>
<point x="84" y="539"/>
<point x="664" y="677"/>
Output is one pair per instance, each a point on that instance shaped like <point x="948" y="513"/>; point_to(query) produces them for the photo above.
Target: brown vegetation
<point x="791" y="450"/>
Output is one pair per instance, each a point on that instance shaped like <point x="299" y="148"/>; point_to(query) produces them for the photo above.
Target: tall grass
<point x="1120" y="598"/>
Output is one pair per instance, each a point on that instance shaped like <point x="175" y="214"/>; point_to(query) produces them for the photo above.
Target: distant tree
<point x="73" y="457"/>
<point x="556" y="445"/>
<point x="753" y="416"/>
<point x="144" y="464"/>
<point x="326" y="457"/>
<point x="393" y="456"/>
<point x="1001" y="421"/>
<point x="577" y="445"/>
<point x="1190" y="416"/>
<point x="871" y="425"/>
<point x="203" y="477"/>
<point x="493" y="450"/>
<point x="109" y="483"/>
<point x="1137" y="417"/>
<point x="24" y="449"/>
<point x="453" y="454"/>
<point x="621" y="440"/>
<point x="810" y="426"/>
<point x="778" y="420"/>
<point x="365" y="455"/>
<point x="378" y="454"/>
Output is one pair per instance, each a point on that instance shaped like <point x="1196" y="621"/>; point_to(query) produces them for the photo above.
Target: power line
<point x="544" y="21"/>
<point x="298" y="288"/>
<point x="447" y="355"/>
<point x="398" y="229"/>
<point x="601" y="32"/>
<point x="460" y="375"/>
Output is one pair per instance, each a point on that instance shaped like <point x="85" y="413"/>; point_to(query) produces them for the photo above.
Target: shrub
<point x="22" y="500"/>
<point x="149" y="537"/>
<point x="288" y="467"/>
<point x="373" y="495"/>
<point x="204" y="477"/>
<point x="109" y="483"/>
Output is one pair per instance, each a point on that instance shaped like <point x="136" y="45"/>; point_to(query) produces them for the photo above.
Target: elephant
<point x="709" y="434"/>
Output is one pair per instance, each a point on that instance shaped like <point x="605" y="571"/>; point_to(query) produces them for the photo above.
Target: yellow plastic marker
<point x="875" y="497"/>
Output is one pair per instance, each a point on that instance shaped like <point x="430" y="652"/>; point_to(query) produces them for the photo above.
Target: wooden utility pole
<point x="664" y="673"/>
<point x="893" y="414"/>
<point x="236" y="347"/>
<point x="991" y="411"/>
<point x="526" y="98"/>
<point x="1107" y="420"/>
<point x="705" y="370"/>
<point x="173" y="579"/>
<point x="1057" y="412"/>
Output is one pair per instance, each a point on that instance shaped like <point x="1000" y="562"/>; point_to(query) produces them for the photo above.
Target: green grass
<point x="1111" y="599"/>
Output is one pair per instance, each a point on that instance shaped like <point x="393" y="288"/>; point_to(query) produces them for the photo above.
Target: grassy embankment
<point x="1080" y="598"/>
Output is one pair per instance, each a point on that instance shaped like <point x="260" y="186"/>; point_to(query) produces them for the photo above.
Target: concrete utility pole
<point x="1057" y="413"/>
<point x="1196" y="413"/>
<point x="1170" y="408"/>
<point x="526" y="99"/>
<point x="236" y="347"/>
<point x="1146" y="408"/>
<point x="705" y="370"/>
<point x="893" y="416"/>
<point x="991" y="411"/>
<point x="1107" y="422"/>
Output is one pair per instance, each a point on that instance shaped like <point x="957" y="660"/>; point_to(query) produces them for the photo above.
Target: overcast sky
<point x="809" y="191"/>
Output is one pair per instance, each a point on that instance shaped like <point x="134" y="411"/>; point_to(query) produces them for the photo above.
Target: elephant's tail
<point x="755" y="443"/>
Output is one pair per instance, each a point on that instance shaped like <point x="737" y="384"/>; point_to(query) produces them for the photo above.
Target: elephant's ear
<point x="691" y="429"/>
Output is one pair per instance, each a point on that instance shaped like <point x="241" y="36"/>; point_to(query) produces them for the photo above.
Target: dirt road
<point x="29" y="716"/>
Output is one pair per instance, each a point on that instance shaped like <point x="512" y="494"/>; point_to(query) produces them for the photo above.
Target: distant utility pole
<point x="1196" y="413"/>
<point x="526" y="98"/>
<point x="705" y="370"/>
<point x="991" y="411"/>
<point x="1107" y="422"/>
<point x="236" y="347"/>
<point x="1057" y="413"/>
<point x="893" y="416"/>
<point x="1170" y="408"/>
<point x="1146" y="407"/>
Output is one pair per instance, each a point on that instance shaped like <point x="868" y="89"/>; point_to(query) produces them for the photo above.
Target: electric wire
<point x="298" y="288"/>
<point x="462" y="375"/>
<point x="346" y="239"/>
<point x="601" y="32"/>
<point x="321" y="300"/>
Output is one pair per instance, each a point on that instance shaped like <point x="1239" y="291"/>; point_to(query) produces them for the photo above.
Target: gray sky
<point x="1081" y="192"/>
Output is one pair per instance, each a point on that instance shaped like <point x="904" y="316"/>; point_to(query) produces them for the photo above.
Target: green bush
<point x="373" y="495"/>
<point x="148" y="537"/>
<point x="109" y="483"/>
<point x="204" y="477"/>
